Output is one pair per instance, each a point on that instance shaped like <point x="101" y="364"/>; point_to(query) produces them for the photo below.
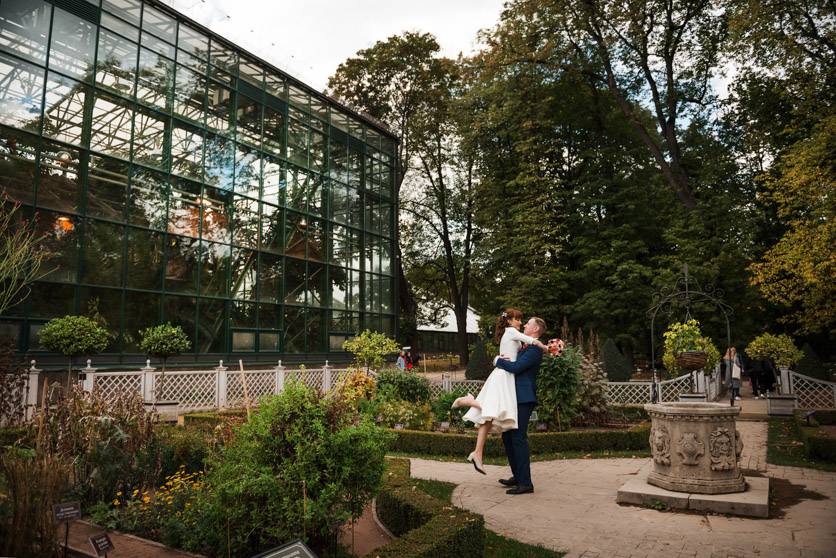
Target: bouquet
<point x="555" y="347"/>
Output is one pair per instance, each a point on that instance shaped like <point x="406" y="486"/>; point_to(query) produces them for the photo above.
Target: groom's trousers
<point x="516" y="445"/>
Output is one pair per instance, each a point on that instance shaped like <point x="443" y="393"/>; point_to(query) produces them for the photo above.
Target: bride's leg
<point x="466" y="401"/>
<point x="476" y="455"/>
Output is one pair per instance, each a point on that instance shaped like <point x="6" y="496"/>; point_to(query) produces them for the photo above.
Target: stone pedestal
<point x="696" y="448"/>
<point x="780" y="405"/>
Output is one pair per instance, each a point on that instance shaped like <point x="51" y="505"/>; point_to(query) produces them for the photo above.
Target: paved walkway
<point x="573" y="509"/>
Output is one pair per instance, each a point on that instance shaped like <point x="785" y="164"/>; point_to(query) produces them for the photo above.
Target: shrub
<point x="479" y="365"/>
<point x="370" y="348"/>
<point x="591" y="398"/>
<point x="183" y="447"/>
<point x="615" y="365"/>
<point x="443" y="412"/>
<point x="358" y="385"/>
<point x="780" y="348"/>
<point x="164" y="342"/>
<point x="301" y="463"/>
<point x="74" y="336"/>
<point x="406" y="385"/>
<point x="557" y="386"/>
<point x="413" y="416"/>
<point x="13" y="381"/>
<point x="811" y="365"/>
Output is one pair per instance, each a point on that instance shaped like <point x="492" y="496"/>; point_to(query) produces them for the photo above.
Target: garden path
<point x="573" y="509"/>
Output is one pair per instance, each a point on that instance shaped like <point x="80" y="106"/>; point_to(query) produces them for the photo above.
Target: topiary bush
<point x="164" y="342"/>
<point x="811" y="365"/>
<point x="558" y="383"/>
<point x="406" y="385"/>
<point x="74" y="336"/>
<point x="615" y="365"/>
<point x="480" y="365"/>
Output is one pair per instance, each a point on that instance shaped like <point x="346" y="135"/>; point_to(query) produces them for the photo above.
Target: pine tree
<point x="479" y="365"/>
<point x="615" y="364"/>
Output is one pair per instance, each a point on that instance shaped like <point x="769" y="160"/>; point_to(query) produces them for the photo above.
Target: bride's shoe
<point x="460" y="402"/>
<point x="477" y="463"/>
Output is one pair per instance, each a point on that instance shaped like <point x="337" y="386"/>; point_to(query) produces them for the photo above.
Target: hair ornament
<point x="505" y="314"/>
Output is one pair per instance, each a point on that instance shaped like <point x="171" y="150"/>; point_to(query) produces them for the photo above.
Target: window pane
<point x="299" y="98"/>
<point x="219" y="162"/>
<point x="158" y="23"/>
<point x="193" y="42"/>
<point x="214" y="269"/>
<point x="319" y="152"/>
<point x="148" y="198"/>
<point x="116" y="64"/>
<point x="270" y="276"/>
<point x="247" y="171"/>
<point x="217" y="214"/>
<point x="58" y="184"/>
<point x="181" y="265"/>
<point x="296" y="229"/>
<point x="249" y="121"/>
<point x="269" y="316"/>
<point x="156" y="79"/>
<point x="142" y="310"/>
<point x="158" y="46"/>
<point x="50" y="300"/>
<point x="223" y="57"/>
<point x="268" y="342"/>
<point x="319" y="108"/>
<point x="184" y="208"/>
<point x="297" y="143"/>
<point x="316" y="331"/>
<point x="17" y="164"/>
<point x="294" y="281"/>
<point x="128" y="10"/>
<point x="24" y="28"/>
<point x="355" y="208"/>
<point x="246" y="223"/>
<point x="182" y="311"/>
<point x="219" y="113"/>
<point x="273" y="180"/>
<point x="338" y="193"/>
<point x="61" y="240"/>
<point x="297" y="189"/>
<point x="339" y="161"/>
<point x="386" y="256"/>
<point x="243" y="314"/>
<point x="145" y="260"/>
<point x="355" y="168"/>
<point x="338" y="252"/>
<point x="244" y="268"/>
<point x="339" y="120"/>
<point x="73" y="45"/>
<point x="119" y="26"/>
<point x="316" y="240"/>
<point x="272" y="229"/>
<point x="190" y="95"/>
<point x="104" y="247"/>
<point x="111" y="126"/>
<point x="20" y="96"/>
<point x="107" y="189"/>
<point x="150" y="129"/>
<point x="251" y="72"/>
<point x="187" y="151"/>
<point x="294" y="330"/>
<point x="276" y="85"/>
<point x="317" y="195"/>
<point x="106" y="305"/>
<point x="274" y="132"/>
<point x="317" y="284"/>
<point x="338" y="279"/>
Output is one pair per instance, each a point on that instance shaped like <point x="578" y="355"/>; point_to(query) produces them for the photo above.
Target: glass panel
<point x="269" y="316"/>
<point x="338" y="279"/>
<point x="316" y="240"/>
<point x="387" y="145"/>
<point x="219" y="112"/>
<point x="219" y="162"/>
<point x="249" y="121"/>
<point x="372" y="256"/>
<point x="244" y="264"/>
<point x="273" y="180"/>
<point x="61" y="240"/>
<point x="270" y="276"/>
<point x="119" y="26"/>
<point x="386" y="256"/>
<point x="246" y="222"/>
<point x="297" y="143"/>
<point x="296" y="235"/>
<point x="268" y="342"/>
<point x="73" y="45"/>
<point x="51" y="300"/>
<point x="142" y="310"/>
<point x="294" y="330"/>
<point x="223" y="57"/>
<point x="187" y="151"/>
<point x="111" y="126"/>
<point x="156" y="79"/>
<point x="355" y="168"/>
<point x="159" y="24"/>
<point x="373" y="140"/>
<point x="299" y="98"/>
<point x="316" y="331"/>
<point x="190" y="95"/>
<point x="212" y="330"/>
<point x="243" y="314"/>
<point x="184" y="208"/>
<point x="251" y="72"/>
<point x="276" y="85"/>
<point x="157" y="46"/>
<point x="104" y="248"/>
<point x="148" y="198"/>
<point x="17" y="164"/>
<point x="58" y="185"/>
<point x="272" y="229"/>
<point x="24" y="28"/>
<point x="20" y="96"/>
<point x="317" y="195"/>
<point x="214" y="269"/>
<point x="145" y="260"/>
<point x="386" y="219"/>
<point x="247" y="171"/>
<point x="317" y="284"/>
<point x="387" y="304"/>
<point x="243" y="341"/>
<point x="149" y="138"/>
<point x="319" y="152"/>
<point x="355" y="128"/>
<point x="116" y="64"/>
<point x="294" y="281"/>
<point x="181" y="265"/>
<point x="182" y="311"/>
<point x="128" y="10"/>
<point x="297" y="188"/>
<point x="355" y="208"/>
<point x="354" y="301"/>
<point x="298" y="115"/>
<point x="339" y="202"/>
<point x="372" y="214"/>
<point x="319" y="108"/>
<point x="193" y="42"/>
<point x="274" y="131"/>
<point x="217" y="214"/>
<point x="339" y="246"/>
<point x="339" y="120"/>
<point x="354" y="321"/>
<point x="339" y="161"/>
<point x="107" y="189"/>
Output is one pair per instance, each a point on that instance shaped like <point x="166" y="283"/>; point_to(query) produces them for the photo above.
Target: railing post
<point x="786" y="382"/>
<point x="326" y="378"/>
<point x="147" y="382"/>
<point x="279" y="378"/>
<point x="31" y="394"/>
<point x="88" y="376"/>
<point x="446" y="384"/>
<point x="221" y="379"/>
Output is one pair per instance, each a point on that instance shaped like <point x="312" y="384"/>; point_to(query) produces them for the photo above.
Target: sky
<point x="308" y="39"/>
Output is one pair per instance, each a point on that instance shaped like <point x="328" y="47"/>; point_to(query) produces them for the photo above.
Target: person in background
<point x="401" y="362"/>
<point x="409" y="362"/>
<point x="756" y="377"/>
<point x="734" y="371"/>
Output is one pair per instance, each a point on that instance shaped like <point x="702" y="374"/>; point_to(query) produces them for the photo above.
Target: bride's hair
<point x="505" y="321"/>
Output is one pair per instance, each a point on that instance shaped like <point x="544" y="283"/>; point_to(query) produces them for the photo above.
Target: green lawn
<point x="784" y="446"/>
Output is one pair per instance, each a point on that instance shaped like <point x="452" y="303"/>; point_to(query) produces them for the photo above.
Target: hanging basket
<point x="691" y="360"/>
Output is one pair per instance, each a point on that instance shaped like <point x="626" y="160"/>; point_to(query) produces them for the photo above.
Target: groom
<point x="525" y="379"/>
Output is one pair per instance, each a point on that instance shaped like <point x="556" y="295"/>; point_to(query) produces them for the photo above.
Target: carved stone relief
<point x="721" y="450"/>
<point x="660" y="445"/>
<point x="690" y="448"/>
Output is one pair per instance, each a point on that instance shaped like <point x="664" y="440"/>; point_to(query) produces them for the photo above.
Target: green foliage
<point x="558" y="383"/>
<point x="369" y="349"/>
<point x="443" y="412"/>
<point x="786" y="445"/>
<point x="301" y="463"/>
<point x="687" y="336"/>
<point x="811" y="365"/>
<point x="182" y="446"/>
<point x="780" y="348"/>
<point x="592" y="400"/>
<point x="406" y="385"/>
<point x="74" y="336"/>
<point x="479" y="365"/>
<point x="414" y="416"/>
<point x="615" y="364"/>
<point x="164" y="341"/>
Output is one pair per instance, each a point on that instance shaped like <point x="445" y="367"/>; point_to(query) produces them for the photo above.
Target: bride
<point x="495" y="408"/>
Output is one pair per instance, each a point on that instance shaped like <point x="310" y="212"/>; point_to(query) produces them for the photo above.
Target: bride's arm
<point x="518" y="336"/>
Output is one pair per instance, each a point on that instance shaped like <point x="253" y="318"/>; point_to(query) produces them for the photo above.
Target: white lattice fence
<point x="259" y="382"/>
<point x="812" y="393"/>
<point x="111" y="384"/>
<point x="669" y="390"/>
<point x="714" y="386"/>
<point x="468" y="386"/>
<point x="194" y="390"/>
<point x="629" y="393"/>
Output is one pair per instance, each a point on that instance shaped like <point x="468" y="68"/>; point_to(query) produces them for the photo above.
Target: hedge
<point x="427" y="527"/>
<point x="210" y="419"/>
<point x="432" y="443"/>
<point x="817" y="446"/>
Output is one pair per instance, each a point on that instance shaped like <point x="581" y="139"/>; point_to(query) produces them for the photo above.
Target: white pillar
<point x="446" y="384"/>
<point x="31" y="394"/>
<point x="147" y="382"/>
<point x="786" y="387"/>
<point x="326" y="378"/>
<point x="279" y="378"/>
<point x="221" y="380"/>
<point x="87" y="383"/>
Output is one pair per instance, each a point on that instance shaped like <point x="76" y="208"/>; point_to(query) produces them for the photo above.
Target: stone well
<point x="696" y="448"/>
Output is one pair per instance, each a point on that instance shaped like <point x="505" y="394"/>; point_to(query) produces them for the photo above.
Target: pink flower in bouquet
<point x="555" y="347"/>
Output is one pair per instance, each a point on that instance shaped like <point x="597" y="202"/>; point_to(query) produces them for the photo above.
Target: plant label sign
<point x="66" y="512"/>
<point x="399" y="427"/>
<point x="101" y="544"/>
<point x="293" y="549"/>
<point x="445" y="425"/>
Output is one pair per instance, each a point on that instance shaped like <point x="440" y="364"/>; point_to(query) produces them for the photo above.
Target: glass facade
<point x="176" y="178"/>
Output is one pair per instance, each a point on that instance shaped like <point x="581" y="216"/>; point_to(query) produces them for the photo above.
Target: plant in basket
<point x="687" y="349"/>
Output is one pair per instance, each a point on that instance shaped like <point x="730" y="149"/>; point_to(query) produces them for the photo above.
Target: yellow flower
<point x="116" y="502"/>
<point x="118" y="493"/>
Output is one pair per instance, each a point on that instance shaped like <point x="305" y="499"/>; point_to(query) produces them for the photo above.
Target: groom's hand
<point x="503" y="357"/>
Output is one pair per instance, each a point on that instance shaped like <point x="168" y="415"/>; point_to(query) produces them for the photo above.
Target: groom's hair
<point x="540" y="324"/>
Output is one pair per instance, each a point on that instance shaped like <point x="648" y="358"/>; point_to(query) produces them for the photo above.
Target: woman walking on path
<point x="734" y="370"/>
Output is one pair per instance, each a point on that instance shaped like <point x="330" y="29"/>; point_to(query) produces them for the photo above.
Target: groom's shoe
<point x="508" y="482"/>
<point x="520" y="490"/>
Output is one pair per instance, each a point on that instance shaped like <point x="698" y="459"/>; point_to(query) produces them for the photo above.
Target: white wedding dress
<point x="498" y="397"/>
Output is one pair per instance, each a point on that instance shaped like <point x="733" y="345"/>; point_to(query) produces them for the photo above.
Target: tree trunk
<point x="69" y="375"/>
<point x="407" y="303"/>
<point x="461" y="336"/>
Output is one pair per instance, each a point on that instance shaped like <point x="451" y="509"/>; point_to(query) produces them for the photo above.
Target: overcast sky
<point x="308" y="39"/>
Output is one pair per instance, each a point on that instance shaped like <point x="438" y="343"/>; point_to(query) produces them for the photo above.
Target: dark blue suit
<point x="525" y="379"/>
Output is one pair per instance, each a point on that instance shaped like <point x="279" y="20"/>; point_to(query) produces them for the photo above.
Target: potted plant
<point x="74" y="336"/>
<point x="164" y="341"/>
<point x="687" y="349"/>
<point x="782" y="351"/>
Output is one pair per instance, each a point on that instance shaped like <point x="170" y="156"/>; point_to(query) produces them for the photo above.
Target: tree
<point x="370" y="348"/>
<point x="74" y="336"/>
<point x="164" y="341"/>
<point x="615" y="365"/>
<point x="20" y="258"/>
<point x="479" y="365"/>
